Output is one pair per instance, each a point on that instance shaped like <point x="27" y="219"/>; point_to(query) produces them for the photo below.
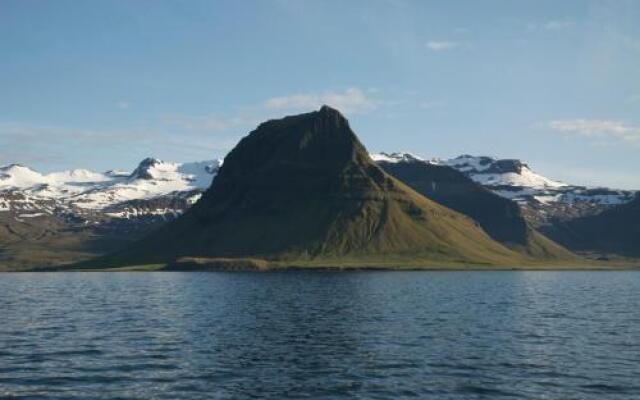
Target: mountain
<point x="83" y="189"/>
<point x="47" y="219"/>
<point x="303" y="189"/>
<point x="543" y="201"/>
<point x="615" y="230"/>
<point x="500" y="217"/>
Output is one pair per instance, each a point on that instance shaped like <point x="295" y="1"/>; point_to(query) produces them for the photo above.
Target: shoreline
<point x="363" y="268"/>
<point x="389" y="263"/>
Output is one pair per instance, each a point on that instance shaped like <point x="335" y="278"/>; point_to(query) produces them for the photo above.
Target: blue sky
<point x="103" y="84"/>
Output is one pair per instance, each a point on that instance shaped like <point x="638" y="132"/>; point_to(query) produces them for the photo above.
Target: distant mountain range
<point x="83" y="192"/>
<point x="593" y="220"/>
<point x="59" y="217"/>
<point x="501" y="218"/>
<point x="94" y="196"/>
<point x="542" y="199"/>
<point x="613" y="231"/>
<point x="63" y="216"/>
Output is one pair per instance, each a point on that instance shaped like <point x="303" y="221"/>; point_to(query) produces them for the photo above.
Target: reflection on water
<point x="387" y="335"/>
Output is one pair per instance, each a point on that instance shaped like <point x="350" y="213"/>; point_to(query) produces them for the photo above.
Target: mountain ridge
<point x="90" y="213"/>
<point x="501" y="218"/>
<point x="304" y="188"/>
<point x="613" y="231"/>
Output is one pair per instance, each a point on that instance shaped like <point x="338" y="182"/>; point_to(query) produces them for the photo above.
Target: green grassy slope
<point x="303" y="188"/>
<point x="499" y="217"/>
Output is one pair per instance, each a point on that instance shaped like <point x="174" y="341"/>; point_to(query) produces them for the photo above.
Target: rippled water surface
<point x="369" y="335"/>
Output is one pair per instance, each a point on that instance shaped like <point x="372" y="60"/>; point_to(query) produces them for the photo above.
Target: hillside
<point x="616" y="230"/>
<point x="303" y="188"/>
<point x="543" y="200"/>
<point x="501" y="218"/>
<point x="67" y="216"/>
<point x="48" y="219"/>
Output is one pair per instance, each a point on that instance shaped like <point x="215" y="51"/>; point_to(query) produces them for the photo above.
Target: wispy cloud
<point x="351" y="101"/>
<point x="427" y="105"/>
<point x="634" y="98"/>
<point x="632" y="43"/>
<point x="49" y="144"/>
<point x="208" y="123"/>
<point x="123" y="104"/>
<point x="597" y="128"/>
<point x="190" y="136"/>
<point x="557" y="25"/>
<point x="554" y="25"/>
<point x="442" y="45"/>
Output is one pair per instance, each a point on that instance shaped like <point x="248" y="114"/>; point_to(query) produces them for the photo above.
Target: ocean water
<point x="321" y="335"/>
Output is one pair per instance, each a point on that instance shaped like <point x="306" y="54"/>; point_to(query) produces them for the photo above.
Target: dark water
<point x="367" y="335"/>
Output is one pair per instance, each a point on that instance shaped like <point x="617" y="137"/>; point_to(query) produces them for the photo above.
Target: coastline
<point x="258" y="265"/>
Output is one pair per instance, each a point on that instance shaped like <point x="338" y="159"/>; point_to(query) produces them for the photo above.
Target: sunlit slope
<point x="501" y="218"/>
<point x="304" y="188"/>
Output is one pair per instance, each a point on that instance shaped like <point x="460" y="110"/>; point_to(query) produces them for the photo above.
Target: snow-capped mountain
<point x="497" y="173"/>
<point x="541" y="198"/>
<point x="61" y="216"/>
<point x="515" y="180"/>
<point x="47" y="219"/>
<point x="395" y="158"/>
<point x="88" y="195"/>
<point x="164" y="189"/>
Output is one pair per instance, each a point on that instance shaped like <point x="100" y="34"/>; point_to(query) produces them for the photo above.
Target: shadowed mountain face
<point x="501" y="218"/>
<point x="304" y="187"/>
<point x="616" y="230"/>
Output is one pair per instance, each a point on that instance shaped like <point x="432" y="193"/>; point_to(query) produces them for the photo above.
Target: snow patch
<point x="34" y="215"/>
<point x="395" y="158"/>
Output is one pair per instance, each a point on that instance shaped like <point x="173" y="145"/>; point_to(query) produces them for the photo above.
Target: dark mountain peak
<point x="328" y="110"/>
<point x="149" y="161"/>
<point x="487" y="165"/>
<point x="143" y="171"/>
<point x="332" y="115"/>
<point x="14" y="166"/>
<point x="481" y="159"/>
<point x="506" y="166"/>
<point x="316" y="143"/>
<point x="326" y="115"/>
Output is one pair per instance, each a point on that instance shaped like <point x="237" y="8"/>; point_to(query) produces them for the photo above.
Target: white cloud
<point x="436" y="45"/>
<point x="351" y="101"/>
<point x="597" y="128"/>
